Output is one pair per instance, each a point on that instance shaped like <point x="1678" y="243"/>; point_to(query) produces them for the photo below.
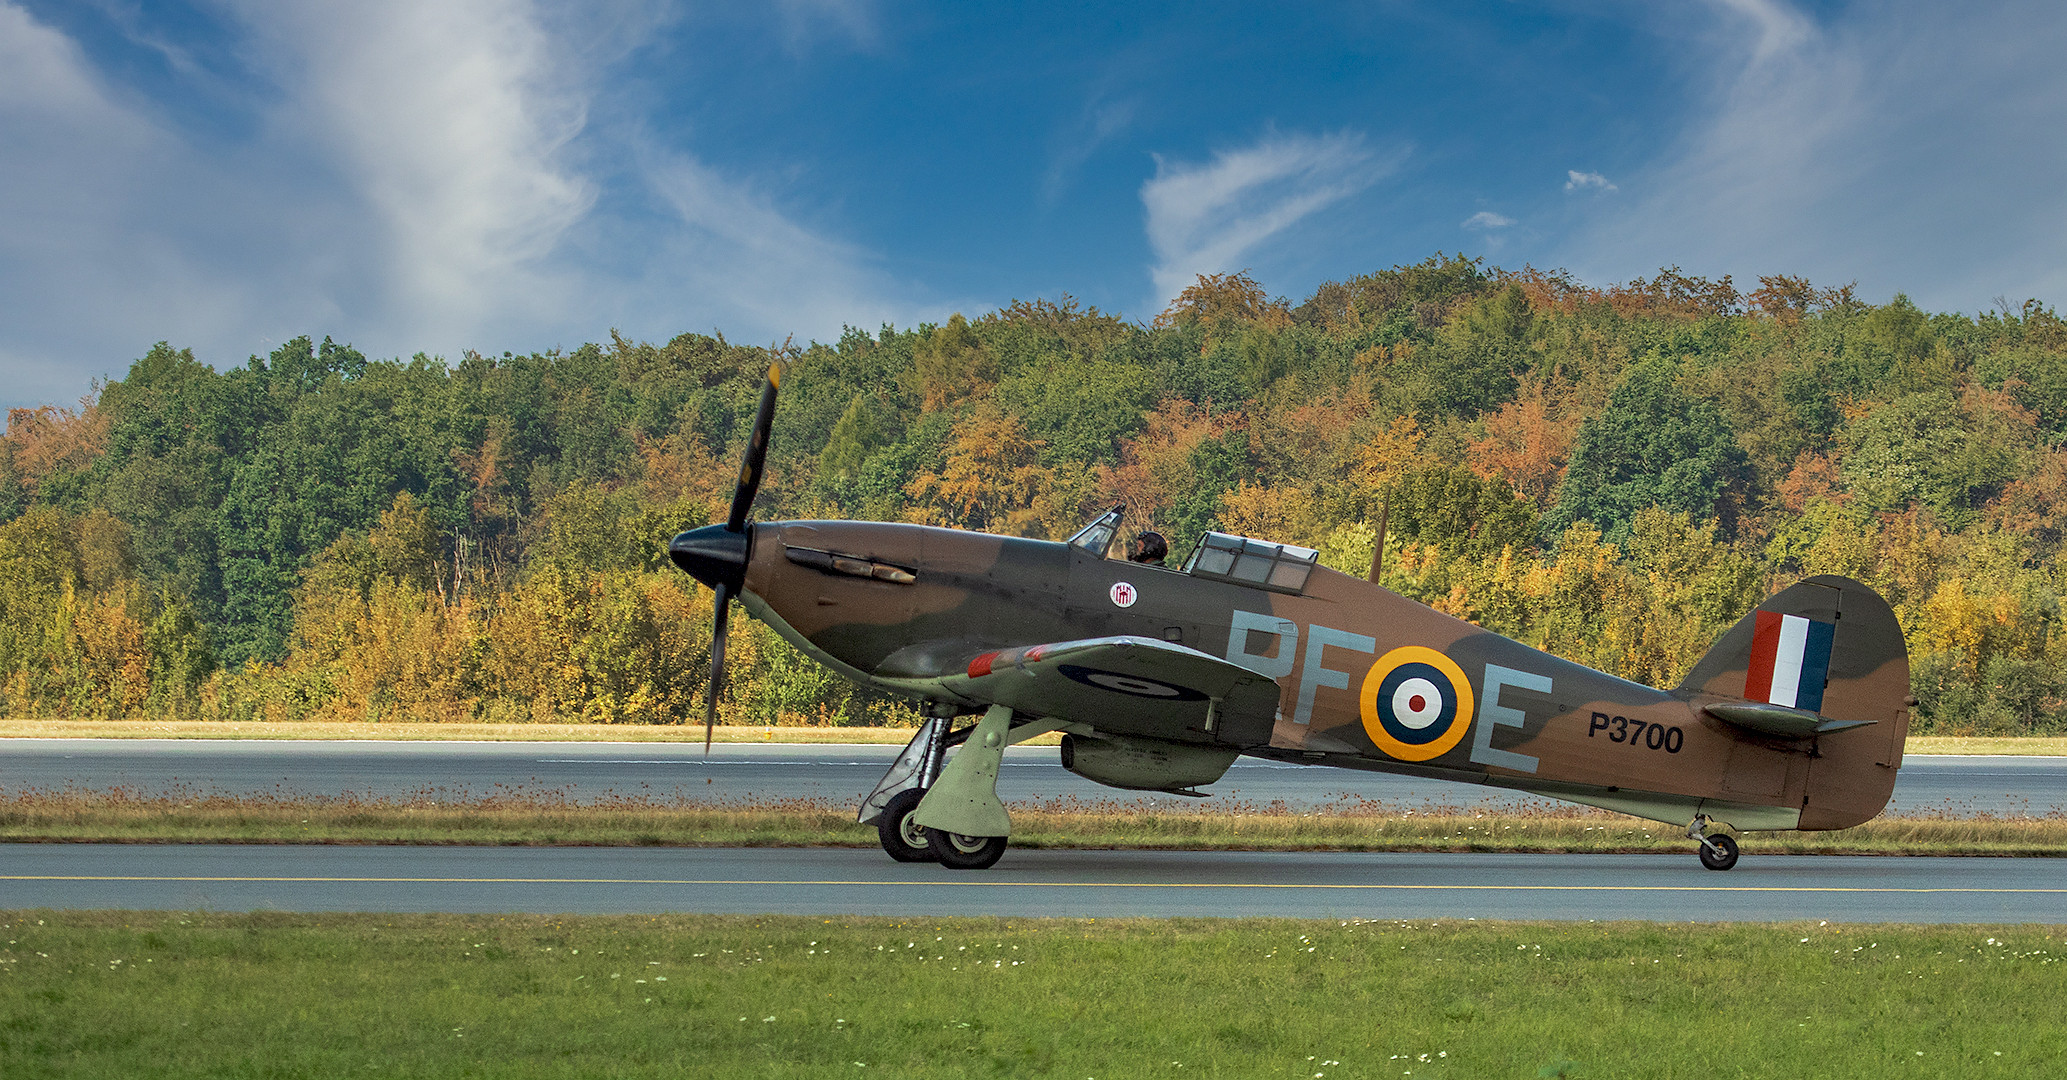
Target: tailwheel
<point x="1718" y="852"/>
<point x="958" y="852"/>
<point x="904" y="840"/>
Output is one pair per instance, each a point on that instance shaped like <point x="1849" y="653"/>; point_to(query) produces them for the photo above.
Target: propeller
<point x="716" y="555"/>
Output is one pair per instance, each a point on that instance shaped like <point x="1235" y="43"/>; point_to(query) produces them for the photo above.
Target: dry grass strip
<point x="546" y="818"/>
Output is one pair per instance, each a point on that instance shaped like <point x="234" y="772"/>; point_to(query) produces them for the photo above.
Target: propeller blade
<point x="717" y="682"/>
<point x="756" y="453"/>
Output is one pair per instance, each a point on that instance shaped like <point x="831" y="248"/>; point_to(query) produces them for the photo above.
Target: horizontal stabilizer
<point x="1778" y="720"/>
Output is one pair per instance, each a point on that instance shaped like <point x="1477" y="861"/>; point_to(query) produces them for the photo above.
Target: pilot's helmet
<point x="1150" y="547"/>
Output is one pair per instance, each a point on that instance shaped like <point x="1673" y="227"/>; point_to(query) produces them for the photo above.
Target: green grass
<point x="105" y="994"/>
<point x="549" y="819"/>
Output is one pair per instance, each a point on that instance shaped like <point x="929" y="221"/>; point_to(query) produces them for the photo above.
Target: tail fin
<point x="1827" y="646"/>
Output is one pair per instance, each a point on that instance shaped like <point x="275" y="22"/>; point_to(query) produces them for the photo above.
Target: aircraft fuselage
<point x="1365" y="678"/>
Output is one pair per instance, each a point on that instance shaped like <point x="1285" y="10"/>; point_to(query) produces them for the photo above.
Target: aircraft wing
<point x="1129" y="685"/>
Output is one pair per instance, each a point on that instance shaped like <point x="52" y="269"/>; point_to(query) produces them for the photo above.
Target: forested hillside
<point x="1610" y="474"/>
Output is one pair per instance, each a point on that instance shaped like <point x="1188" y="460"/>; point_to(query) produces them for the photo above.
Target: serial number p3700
<point x="1622" y="729"/>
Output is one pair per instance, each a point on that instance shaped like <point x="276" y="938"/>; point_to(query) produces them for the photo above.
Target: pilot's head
<point x="1150" y="547"/>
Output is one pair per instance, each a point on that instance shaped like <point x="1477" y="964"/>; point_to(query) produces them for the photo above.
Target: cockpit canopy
<point x="1256" y="563"/>
<point x="1219" y="556"/>
<point x="1097" y="536"/>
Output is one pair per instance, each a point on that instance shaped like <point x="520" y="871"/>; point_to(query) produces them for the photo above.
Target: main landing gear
<point x="964" y="826"/>
<point x="908" y="841"/>
<point x="1718" y="850"/>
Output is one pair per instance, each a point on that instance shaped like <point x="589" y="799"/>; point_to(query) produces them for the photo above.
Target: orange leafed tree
<point x="44" y="440"/>
<point x="1785" y="298"/>
<point x="1814" y="476"/>
<point x="1220" y="300"/>
<point x="992" y="480"/>
<point x="1155" y="466"/>
<point x="1527" y="443"/>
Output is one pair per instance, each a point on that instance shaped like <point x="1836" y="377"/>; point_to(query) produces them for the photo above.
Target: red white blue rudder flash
<point x="1790" y="661"/>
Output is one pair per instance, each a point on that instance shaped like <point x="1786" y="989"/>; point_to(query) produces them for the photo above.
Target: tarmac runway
<point x="1076" y="884"/>
<point x="837" y="773"/>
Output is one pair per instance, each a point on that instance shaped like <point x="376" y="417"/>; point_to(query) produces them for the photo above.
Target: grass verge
<point x="194" y="995"/>
<point x="2023" y="746"/>
<point x="548" y="819"/>
<point x="30" y="728"/>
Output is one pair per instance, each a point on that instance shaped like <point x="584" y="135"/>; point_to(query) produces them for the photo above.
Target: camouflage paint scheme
<point x="921" y="611"/>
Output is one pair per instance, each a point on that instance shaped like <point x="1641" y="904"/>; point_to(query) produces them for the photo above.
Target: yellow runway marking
<point x="1287" y="886"/>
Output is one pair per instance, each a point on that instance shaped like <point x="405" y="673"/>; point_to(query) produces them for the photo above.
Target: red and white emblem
<point x="1123" y="594"/>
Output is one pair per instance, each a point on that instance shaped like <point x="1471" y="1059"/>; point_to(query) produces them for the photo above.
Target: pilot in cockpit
<point x="1150" y="548"/>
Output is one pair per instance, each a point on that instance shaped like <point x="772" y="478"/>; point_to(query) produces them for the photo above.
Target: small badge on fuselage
<point x="1123" y="594"/>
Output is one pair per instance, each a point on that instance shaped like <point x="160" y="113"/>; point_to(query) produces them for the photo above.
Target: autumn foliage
<point x="1612" y="473"/>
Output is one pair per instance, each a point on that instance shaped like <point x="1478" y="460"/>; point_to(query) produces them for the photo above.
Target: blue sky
<point x="519" y="175"/>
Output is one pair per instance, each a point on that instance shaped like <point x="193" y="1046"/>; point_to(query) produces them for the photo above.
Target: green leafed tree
<point x="1653" y="445"/>
<point x="950" y="366"/>
<point x="1459" y="513"/>
<point x="857" y="435"/>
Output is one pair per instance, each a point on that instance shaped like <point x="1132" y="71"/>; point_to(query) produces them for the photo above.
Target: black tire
<point x="1720" y="857"/>
<point x="958" y="852"/>
<point x="903" y="840"/>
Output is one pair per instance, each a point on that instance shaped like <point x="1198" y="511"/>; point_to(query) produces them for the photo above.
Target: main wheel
<point x="958" y="852"/>
<point x="1720" y="857"/>
<point x="902" y="839"/>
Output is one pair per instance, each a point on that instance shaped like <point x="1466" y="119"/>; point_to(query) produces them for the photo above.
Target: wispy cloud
<point x="1778" y="28"/>
<point x="1207" y="217"/>
<point x="1102" y="121"/>
<point x="805" y="21"/>
<point x="1486" y="219"/>
<point x="1897" y="144"/>
<point x="1582" y="181"/>
<point x="422" y="177"/>
<point x="97" y="244"/>
<point x="747" y="264"/>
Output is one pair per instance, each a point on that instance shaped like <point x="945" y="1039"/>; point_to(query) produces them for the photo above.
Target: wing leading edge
<point x="1127" y="685"/>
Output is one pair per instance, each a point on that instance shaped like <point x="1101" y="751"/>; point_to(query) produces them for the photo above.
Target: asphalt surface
<point x="1094" y="884"/>
<point x="838" y="774"/>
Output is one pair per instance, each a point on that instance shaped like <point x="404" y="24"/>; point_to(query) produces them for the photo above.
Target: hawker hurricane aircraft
<point x="1160" y="677"/>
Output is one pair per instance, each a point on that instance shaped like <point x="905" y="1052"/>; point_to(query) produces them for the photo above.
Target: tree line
<point x="1613" y="474"/>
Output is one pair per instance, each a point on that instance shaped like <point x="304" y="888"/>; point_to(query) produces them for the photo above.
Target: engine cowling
<point x="1137" y="764"/>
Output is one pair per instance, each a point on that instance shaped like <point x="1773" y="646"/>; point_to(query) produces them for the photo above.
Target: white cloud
<point x="84" y="177"/>
<point x="1908" y="145"/>
<point x="1486" y="219"/>
<point x="417" y="177"/>
<point x="1579" y="181"/>
<point x="1206" y="218"/>
<point x="452" y="122"/>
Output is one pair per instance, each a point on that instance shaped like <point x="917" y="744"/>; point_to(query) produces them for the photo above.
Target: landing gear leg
<point x="1718" y="851"/>
<point x="966" y="824"/>
<point x="891" y="804"/>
